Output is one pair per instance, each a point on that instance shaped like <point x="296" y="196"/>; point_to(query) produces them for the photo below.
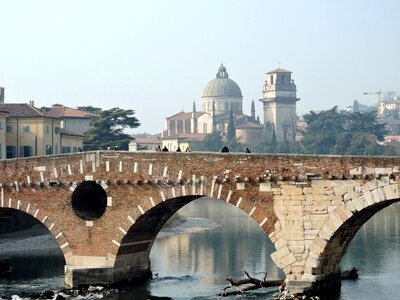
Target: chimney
<point x="1" y="95"/>
<point x="32" y="102"/>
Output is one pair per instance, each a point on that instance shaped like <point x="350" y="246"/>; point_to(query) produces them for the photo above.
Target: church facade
<point x="221" y="96"/>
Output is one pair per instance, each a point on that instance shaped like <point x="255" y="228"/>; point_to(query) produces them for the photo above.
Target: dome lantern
<point x="224" y="92"/>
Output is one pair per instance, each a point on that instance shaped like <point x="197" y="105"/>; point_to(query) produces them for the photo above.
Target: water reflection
<point x="33" y="271"/>
<point x="208" y="258"/>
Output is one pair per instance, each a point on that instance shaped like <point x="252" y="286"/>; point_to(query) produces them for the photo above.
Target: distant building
<point x="220" y="96"/>
<point x="29" y="132"/>
<point x="3" y="126"/>
<point x="1" y="95"/>
<point x="72" y="119"/>
<point x="279" y="101"/>
<point x="147" y="142"/>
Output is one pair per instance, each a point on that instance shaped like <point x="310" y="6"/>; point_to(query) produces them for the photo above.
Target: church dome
<point x="222" y="86"/>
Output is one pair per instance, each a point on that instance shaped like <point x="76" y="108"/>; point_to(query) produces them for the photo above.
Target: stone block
<point x="312" y="262"/>
<point x="317" y="183"/>
<point x="383" y="181"/>
<point x="391" y="191"/>
<point x="341" y="190"/>
<point x="351" y="207"/>
<point x="383" y="171"/>
<point x="359" y="203"/>
<point x="288" y="260"/>
<point x="265" y="187"/>
<point x="373" y="184"/>
<point x="240" y="186"/>
<point x="357" y="171"/>
<point x="318" y="246"/>
<point x="291" y="190"/>
<point x="372" y="197"/>
<point x="280" y="243"/>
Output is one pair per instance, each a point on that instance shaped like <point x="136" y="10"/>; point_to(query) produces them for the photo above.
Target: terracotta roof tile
<point x="61" y="111"/>
<point x="23" y="110"/>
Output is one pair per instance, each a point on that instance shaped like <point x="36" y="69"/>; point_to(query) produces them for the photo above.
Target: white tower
<point x="279" y="101"/>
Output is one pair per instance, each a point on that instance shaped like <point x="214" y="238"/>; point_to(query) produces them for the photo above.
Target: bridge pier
<point x="84" y="276"/>
<point x="329" y="282"/>
<point x="84" y="271"/>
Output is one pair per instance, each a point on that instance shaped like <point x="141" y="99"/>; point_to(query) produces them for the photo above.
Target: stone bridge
<point x="105" y="208"/>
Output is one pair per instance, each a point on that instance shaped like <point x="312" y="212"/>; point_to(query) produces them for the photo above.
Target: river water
<point x="193" y="256"/>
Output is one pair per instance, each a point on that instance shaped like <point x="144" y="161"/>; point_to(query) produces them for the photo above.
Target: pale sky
<point x="157" y="56"/>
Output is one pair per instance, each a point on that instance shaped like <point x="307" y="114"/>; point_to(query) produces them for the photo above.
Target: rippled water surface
<point x="193" y="257"/>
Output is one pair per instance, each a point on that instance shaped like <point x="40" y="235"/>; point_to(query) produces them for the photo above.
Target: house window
<point x="9" y="129"/>
<point x="49" y="150"/>
<point x="47" y="129"/>
<point x="57" y="130"/>
<point x="25" y="128"/>
<point x="66" y="150"/>
<point x="25" y="151"/>
<point x="1" y="126"/>
<point x="74" y="149"/>
<point x="11" y="152"/>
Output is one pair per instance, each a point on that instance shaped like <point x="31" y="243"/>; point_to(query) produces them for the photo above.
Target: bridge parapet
<point x="309" y="206"/>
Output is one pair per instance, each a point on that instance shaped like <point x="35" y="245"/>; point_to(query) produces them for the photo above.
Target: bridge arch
<point x="136" y="234"/>
<point x="328" y="249"/>
<point x="42" y="217"/>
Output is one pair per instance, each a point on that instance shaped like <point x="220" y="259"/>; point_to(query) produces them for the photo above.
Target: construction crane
<point x="379" y="93"/>
<point x="381" y="107"/>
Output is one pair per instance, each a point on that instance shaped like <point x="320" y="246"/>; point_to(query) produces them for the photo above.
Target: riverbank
<point x="35" y="238"/>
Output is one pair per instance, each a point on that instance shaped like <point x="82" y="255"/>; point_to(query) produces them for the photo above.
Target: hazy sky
<point x="157" y="56"/>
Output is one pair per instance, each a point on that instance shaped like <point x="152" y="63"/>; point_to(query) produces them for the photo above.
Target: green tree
<point x="211" y="142"/>
<point x="343" y="133"/>
<point x="234" y="145"/>
<point x="231" y="133"/>
<point x="90" y="109"/>
<point x="108" y="129"/>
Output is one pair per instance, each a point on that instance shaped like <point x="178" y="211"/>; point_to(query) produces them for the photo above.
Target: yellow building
<point x="71" y="142"/>
<point x="3" y="134"/>
<point x="29" y="132"/>
<point x="74" y="123"/>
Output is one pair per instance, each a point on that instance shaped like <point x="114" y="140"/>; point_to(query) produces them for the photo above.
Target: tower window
<point x="272" y="79"/>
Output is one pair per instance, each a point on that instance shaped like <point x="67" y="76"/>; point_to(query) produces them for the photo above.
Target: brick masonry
<point x="309" y="206"/>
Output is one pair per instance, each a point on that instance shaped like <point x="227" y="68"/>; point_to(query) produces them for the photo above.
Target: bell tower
<point x="279" y="102"/>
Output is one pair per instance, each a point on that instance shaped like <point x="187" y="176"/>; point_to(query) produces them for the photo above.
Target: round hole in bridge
<point x="89" y="200"/>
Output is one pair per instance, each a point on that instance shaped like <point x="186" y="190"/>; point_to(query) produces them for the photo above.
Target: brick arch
<point x="332" y="241"/>
<point x="42" y="217"/>
<point x="138" y="230"/>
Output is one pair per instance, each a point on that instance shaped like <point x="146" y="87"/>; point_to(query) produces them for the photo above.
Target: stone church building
<point x="223" y="95"/>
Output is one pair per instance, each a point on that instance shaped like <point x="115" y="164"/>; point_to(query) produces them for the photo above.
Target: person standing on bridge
<point x="225" y="149"/>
